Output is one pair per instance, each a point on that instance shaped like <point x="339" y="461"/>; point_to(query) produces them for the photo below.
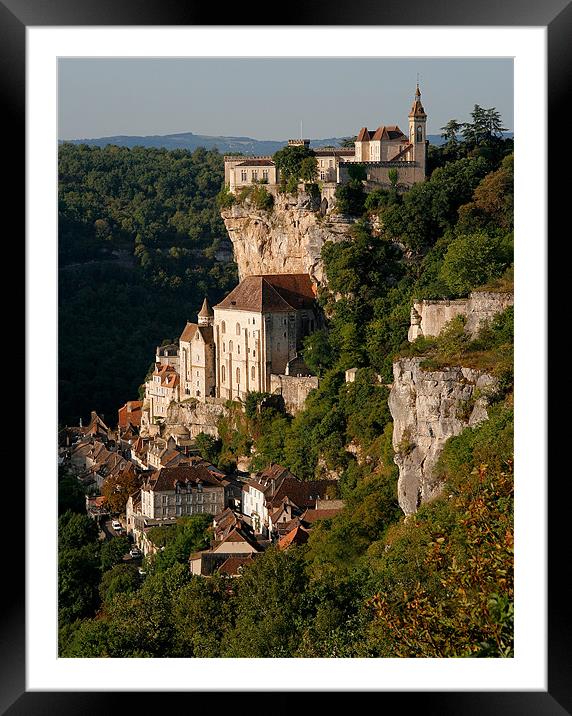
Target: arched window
<point x="238" y="375"/>
<point x="238" y="329"/>
<point x="278" y="347"/>
<point x="419" y="134"/>
<point x="223" y="373"/>
<point x="230" y="346"/>
<point x="238" y="348"/>
<point x="223" y="347"/>
<point x="253" y="372"/>
<point x="223" y="327"/>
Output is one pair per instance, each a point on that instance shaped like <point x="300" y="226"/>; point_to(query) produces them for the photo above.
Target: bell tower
<point x="417" y="132"/>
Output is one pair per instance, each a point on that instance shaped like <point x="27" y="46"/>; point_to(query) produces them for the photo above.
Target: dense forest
<point x="138" y="233"/>
<point x="368" y="583"/>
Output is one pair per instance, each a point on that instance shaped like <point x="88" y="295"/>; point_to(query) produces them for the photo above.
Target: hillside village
<point x="146" y="473"/>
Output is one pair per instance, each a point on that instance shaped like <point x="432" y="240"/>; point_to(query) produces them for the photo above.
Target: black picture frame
<point x="556" y="16"/>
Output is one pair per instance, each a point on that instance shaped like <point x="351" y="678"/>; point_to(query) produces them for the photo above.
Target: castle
<point x="380" y="151"/>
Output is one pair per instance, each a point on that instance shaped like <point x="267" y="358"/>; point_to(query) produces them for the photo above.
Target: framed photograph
<point x="36" y="42"/>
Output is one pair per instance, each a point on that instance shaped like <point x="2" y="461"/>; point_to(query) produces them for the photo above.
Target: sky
<point x="268" y="98"/>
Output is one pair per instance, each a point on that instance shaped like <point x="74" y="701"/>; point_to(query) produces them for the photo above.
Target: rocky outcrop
<point x="429" y="317"/>
<point x="186" y="419"/>
<point x="286" y="239"/>
<point x="428" y="407"/>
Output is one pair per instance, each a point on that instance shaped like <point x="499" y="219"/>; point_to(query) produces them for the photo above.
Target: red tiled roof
<point x="231" y="565"/>
<point x="401" y="153"/>
<point x="363" y="135"/>
<point x="256" y="163"/>
<point x="130" y="414"/>
<point x="302" y="494"/>
<point x="271" y="293"/>
<point x="311" y="515"/>
<point x="297" y="536"/>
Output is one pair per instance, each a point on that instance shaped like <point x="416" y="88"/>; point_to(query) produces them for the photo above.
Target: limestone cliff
<point x="428" y="407"/>
<point x="286" y="239"/>
<point x="186" y="419"/>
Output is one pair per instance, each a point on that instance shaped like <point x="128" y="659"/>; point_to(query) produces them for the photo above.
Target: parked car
<point x="117" y="525"/>
<point x="135" y="552"/>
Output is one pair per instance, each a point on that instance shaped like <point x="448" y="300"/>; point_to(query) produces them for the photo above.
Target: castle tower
<point x="417" y="132"/>
<point x="206" y="314"/>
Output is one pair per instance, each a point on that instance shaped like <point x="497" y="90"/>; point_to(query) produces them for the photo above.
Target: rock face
<point x="186" y="419"/>
<point x="286" y="239"/>
<point x="427" y="409"/>
<point x="429" y="317"/>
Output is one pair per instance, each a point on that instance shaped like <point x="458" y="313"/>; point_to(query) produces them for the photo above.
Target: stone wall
<point x="428" y="318"/>
<point x="427" y="408"/>
<point x="293" y="389"/>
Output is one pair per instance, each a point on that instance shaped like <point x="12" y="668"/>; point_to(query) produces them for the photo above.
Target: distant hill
<point x="225" y="145"/>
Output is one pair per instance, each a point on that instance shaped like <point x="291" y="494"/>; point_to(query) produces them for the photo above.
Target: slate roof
<point x="271" y="293"/>
<point x="302" y="494"/>
<point x="166" y="478"/>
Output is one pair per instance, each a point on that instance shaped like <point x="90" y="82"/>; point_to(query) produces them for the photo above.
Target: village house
<point x="237" y="545"/>
<point x="197" y="356"/>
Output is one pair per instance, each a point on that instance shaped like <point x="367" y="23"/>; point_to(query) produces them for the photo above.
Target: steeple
<point x="206" y="314"/>
<point x="417" y="108"/>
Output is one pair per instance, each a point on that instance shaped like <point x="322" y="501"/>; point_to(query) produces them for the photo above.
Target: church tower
<point x="206" y="314"/>
<point x="417" y="133"/>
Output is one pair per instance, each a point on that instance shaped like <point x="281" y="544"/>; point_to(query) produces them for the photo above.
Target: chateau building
<point x="197" y="355"/>
<point x="381" y="150"/>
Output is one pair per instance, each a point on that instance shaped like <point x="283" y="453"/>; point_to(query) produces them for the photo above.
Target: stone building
<point x="259" y="328"/>
<point x="182" y="490"/>
<point x="197" y="356"/>
<point x="160" y="390"/>
<point x="380" y="151"/>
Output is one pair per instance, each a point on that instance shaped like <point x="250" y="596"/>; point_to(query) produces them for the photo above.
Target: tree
<point x="76" y="530"/>
<point x="450" y="131"/>
<point x="317" y="352"/>
<point x="309" y="169"/>
<point x="209" y="447"/>
<point x="113" y="551"/>
<point x="267" y="603"/>
<point x="288" y="161"/>
<point x="118" y="488"/>
<point x="120" y="579"/>
<point x="474" y="259"/>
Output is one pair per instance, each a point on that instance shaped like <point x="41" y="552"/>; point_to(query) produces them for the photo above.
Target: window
<point x="253" y="353"/>
<point x="223" y="327"/>
<point x="223" y="347"/>
<point x="238" y="375"/>
<point x="253" y="321"/>
<point x="278" y="346"/>
<point x="255" y="175"/>
<point x="238" y="329"/>
<point x="223" y="374"/>
<point x="243" y="175"/>
<point x="419" y="134"/>
<point x="238" y="349"/>
<point x="252" y="372"/>
<point x="322" y="176"/>
<point x="265" y="174"/>
<point x="230" y="346"/>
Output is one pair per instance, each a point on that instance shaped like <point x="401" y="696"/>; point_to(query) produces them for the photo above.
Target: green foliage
<point x="430" y="207"/>
<point x="209" y="447"/>
<point x="253" y="402"/>
<point x="289" y="161"/>
<point x="317" y="352"/>
<point x="71" y="495"/>
<point x="267" y="604"/>
<point x="120" y="579"/>
<point x="225" y="198"/>
<point x="350" y="198"/>
<point x="177" y="542"/>
<point x="257" y="196"/>
<point x="357" y="172"/>
<point x="474" y="259"/>
<point x="113" y="551"/>
<point x="123" y="288"/>
<point x="76" y="530"/>
<point x="309" y="169"/>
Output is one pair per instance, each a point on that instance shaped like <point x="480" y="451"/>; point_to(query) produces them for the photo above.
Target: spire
<point x="206" y="314"/>
<point x="417" y="110"/>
